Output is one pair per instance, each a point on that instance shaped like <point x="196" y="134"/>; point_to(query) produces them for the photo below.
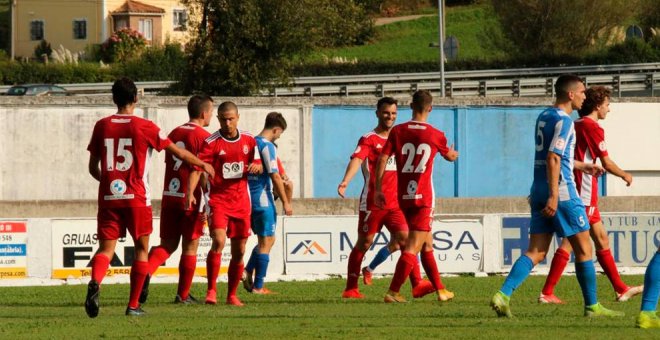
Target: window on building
<point x="37" y="30"/>
<point x="80" y="29"/>
<point x="145" y="26"/>
<point x="120" y="22"/>
<point x="180" y="19"/>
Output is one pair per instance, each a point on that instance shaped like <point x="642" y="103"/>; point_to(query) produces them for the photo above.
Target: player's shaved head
<point x="421" y="100"/>
<point x="565" y="84"/>
<point x="227" y="106"/>
<point x="198" y="104"/>
<point x="596" y="96"/>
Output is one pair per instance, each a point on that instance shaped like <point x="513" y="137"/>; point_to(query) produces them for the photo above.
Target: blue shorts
<point x="570" y="219"/>
<point x="264" y="221"/>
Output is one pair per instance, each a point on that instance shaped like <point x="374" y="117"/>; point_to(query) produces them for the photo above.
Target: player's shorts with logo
<point x="175" y="223"/>
<point x="112" y="223"/>
<point x="570" y="218"/>
<point x="264" y="221"/>
<point x="419" y="218"/>
<point x="594" y="214"/>
<point x="236" y="226"/>
<point x="372" y="221"/>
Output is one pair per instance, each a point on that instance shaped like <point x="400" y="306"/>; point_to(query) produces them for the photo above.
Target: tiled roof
<point x="131" y="6"/>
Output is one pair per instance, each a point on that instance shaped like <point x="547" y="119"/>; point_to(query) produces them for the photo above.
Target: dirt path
<point x="385" y="21"/>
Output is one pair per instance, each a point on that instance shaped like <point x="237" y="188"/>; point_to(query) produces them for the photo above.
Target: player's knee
<point x="536" y="256"/>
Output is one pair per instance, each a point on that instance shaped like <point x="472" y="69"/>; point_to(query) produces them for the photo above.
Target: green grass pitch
<point x="315" y="310"/>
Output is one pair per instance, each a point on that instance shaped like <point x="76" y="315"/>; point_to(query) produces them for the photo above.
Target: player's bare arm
<point x="278" y="185"/>
<point x="189" y="158"/>
<point x="94" y="168"/>
<point x="193" y="179"/>
<point x="614" y="169"/>
<point x="379" y="197"/>
<point x="553" y="165"/>
<point x="351" y="169"/>
<point x="589" y="168"/>
<point x="256" y="168"/>
<point x="452" y="154"/>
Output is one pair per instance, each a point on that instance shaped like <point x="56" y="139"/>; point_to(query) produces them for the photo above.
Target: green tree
<point x="561" y="27"/>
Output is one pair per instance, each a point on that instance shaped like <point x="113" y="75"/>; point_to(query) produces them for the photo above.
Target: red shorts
<point x="236" y="227"/>
<point x="371" y="221"/>
<point x="112" y="223"/>
<point x="594" y="214"/>
<point x="175" y="223"/>
<point x="419" y="219"/>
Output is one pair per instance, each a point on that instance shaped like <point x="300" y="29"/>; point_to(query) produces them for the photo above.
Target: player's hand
<point x="452" y="154"/>
<point x="256" y="169"/>
<point x="379" y="199"/>
<point x="628" y="179"/>
<point x="203" y="217"/>
<point x="341" y="189"/>
<point x="550" y="207"/>
<point x="593" y="169"/>
<point x="190" y="202"/>
<point x="288" y="209"/>
<point x="208" y="168"/>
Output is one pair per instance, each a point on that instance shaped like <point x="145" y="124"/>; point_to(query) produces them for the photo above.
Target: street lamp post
<point x="441" y="34"/>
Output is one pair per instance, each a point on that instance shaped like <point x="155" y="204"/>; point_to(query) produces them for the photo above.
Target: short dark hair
<point x="421" y="99"/>
<point x="596" y="95"/>
<point x="124" y="92"/>
<point x="386" y="101"/>
<point x="227" y="106"/>
<point x="275" y="119"/>
<point x="197" y="104"/>
<point x="565" y="83"/>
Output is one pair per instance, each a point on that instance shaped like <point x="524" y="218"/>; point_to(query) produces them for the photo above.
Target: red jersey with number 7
<point x="590" y="145"/>
<point x="189" y="136"/>
<point x="124" y="144"/>
<point x="414" y="145"/>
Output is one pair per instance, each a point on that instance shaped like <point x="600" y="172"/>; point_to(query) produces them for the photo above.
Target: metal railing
<point x="96" y="88"/>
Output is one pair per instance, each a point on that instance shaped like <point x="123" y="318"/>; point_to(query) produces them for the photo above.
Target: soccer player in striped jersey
<point x="590" y="146"/>
<point x="233" y="154"/>
<point x="372" y="218"/>
<point x="177" y="223"/>
<point x="556" y="206"/>
<point x="264" y="211"/>
<point x="120" y="152"/>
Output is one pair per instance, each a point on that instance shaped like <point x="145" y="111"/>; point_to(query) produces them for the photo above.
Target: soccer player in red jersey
<point x="591" y="146"/>
<point x="175" y="221"/>
<point x="414" y="145"/>
<point x="233" y="154"/>
<point x="372" y="218"/>
<point x="121" y="144"/>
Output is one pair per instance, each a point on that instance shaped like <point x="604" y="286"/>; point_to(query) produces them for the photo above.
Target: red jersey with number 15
<point x="189" y="136"/>
<point x="230" y="159"/>
<point x="414" y="146"/>
<point x="368" y="150"/>
<point x="124" y="144"/>
<point x="590" y="145"/>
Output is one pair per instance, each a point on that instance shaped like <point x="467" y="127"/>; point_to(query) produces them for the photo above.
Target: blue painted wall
<point x="495" y="145"/>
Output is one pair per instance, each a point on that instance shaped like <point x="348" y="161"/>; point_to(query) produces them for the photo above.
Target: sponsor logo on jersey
<point x="245" y="149"/>
<point x="222" y="152"/>
<point x="602" y="146"/>
<point x="118" y="187"/>
<point x="357" y="150"/>
<point x="411" y="189"/>
<point x="560" y="143"/>
<point x="232" y="170"/>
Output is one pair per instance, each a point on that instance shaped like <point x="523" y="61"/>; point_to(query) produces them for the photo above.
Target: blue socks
<point x="381" y="256"/>
<point x="586" y="275"/>
<point x="260" y="270"/>
<point x="252" y="262"/>
<point x="651" y="285"/>
<point x="517" y="275"/>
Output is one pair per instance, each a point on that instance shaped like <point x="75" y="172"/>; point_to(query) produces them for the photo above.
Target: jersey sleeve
<point x="362" y="149"/>
<point x="155" y="137"/>
<point x="562" y="130"/>
<point x="94" y="146"/>
<point x="256" y="155"/>
<point x="441" y="144"/>
<point x="206" y="154"/>
<point x="269" y="158"/>
<point x="597" y="139"/>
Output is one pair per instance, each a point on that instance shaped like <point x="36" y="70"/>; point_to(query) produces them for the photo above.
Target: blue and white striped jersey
<point x="554" y="133"/>
<point x="261" y="187"/>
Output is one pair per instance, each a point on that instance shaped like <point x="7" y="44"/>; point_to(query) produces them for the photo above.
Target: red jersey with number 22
<point x="124" y="144"/>
<point x="368" y="150"/>
<point x="189" y="136"/>
<point x="590" y="145"/>
<point x="414" y="146"/>
<point x="230" y="159"/>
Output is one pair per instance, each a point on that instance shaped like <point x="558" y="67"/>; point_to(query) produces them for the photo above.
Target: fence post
<point x="616" y="85"/>
<point x="309" y="92"/>
<point x="482" y="88"/>
<point x="449" y="89"/>
<point x="650" y="84"/>
<point x="515" y="88"/>
<point x="343" y="91"/>
<point x="549" y="90"/>
<point x="380" y="91"/>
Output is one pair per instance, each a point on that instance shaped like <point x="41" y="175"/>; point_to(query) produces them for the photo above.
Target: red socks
<point x="557" y="267"/>
<point x="187" y="267"/>
<point x="235" y="273"/>
<point x="415" y="275"/>
<point x="100" y="264"/>
<point x="354" y="264"/>
<point x="606" y="261"/>
<point x="404" y="266"/>
<point x="431" y="269"/>
<point x="212" y="269"/>
<point x="157" y="256"/>
<point x="139" y="272"/>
